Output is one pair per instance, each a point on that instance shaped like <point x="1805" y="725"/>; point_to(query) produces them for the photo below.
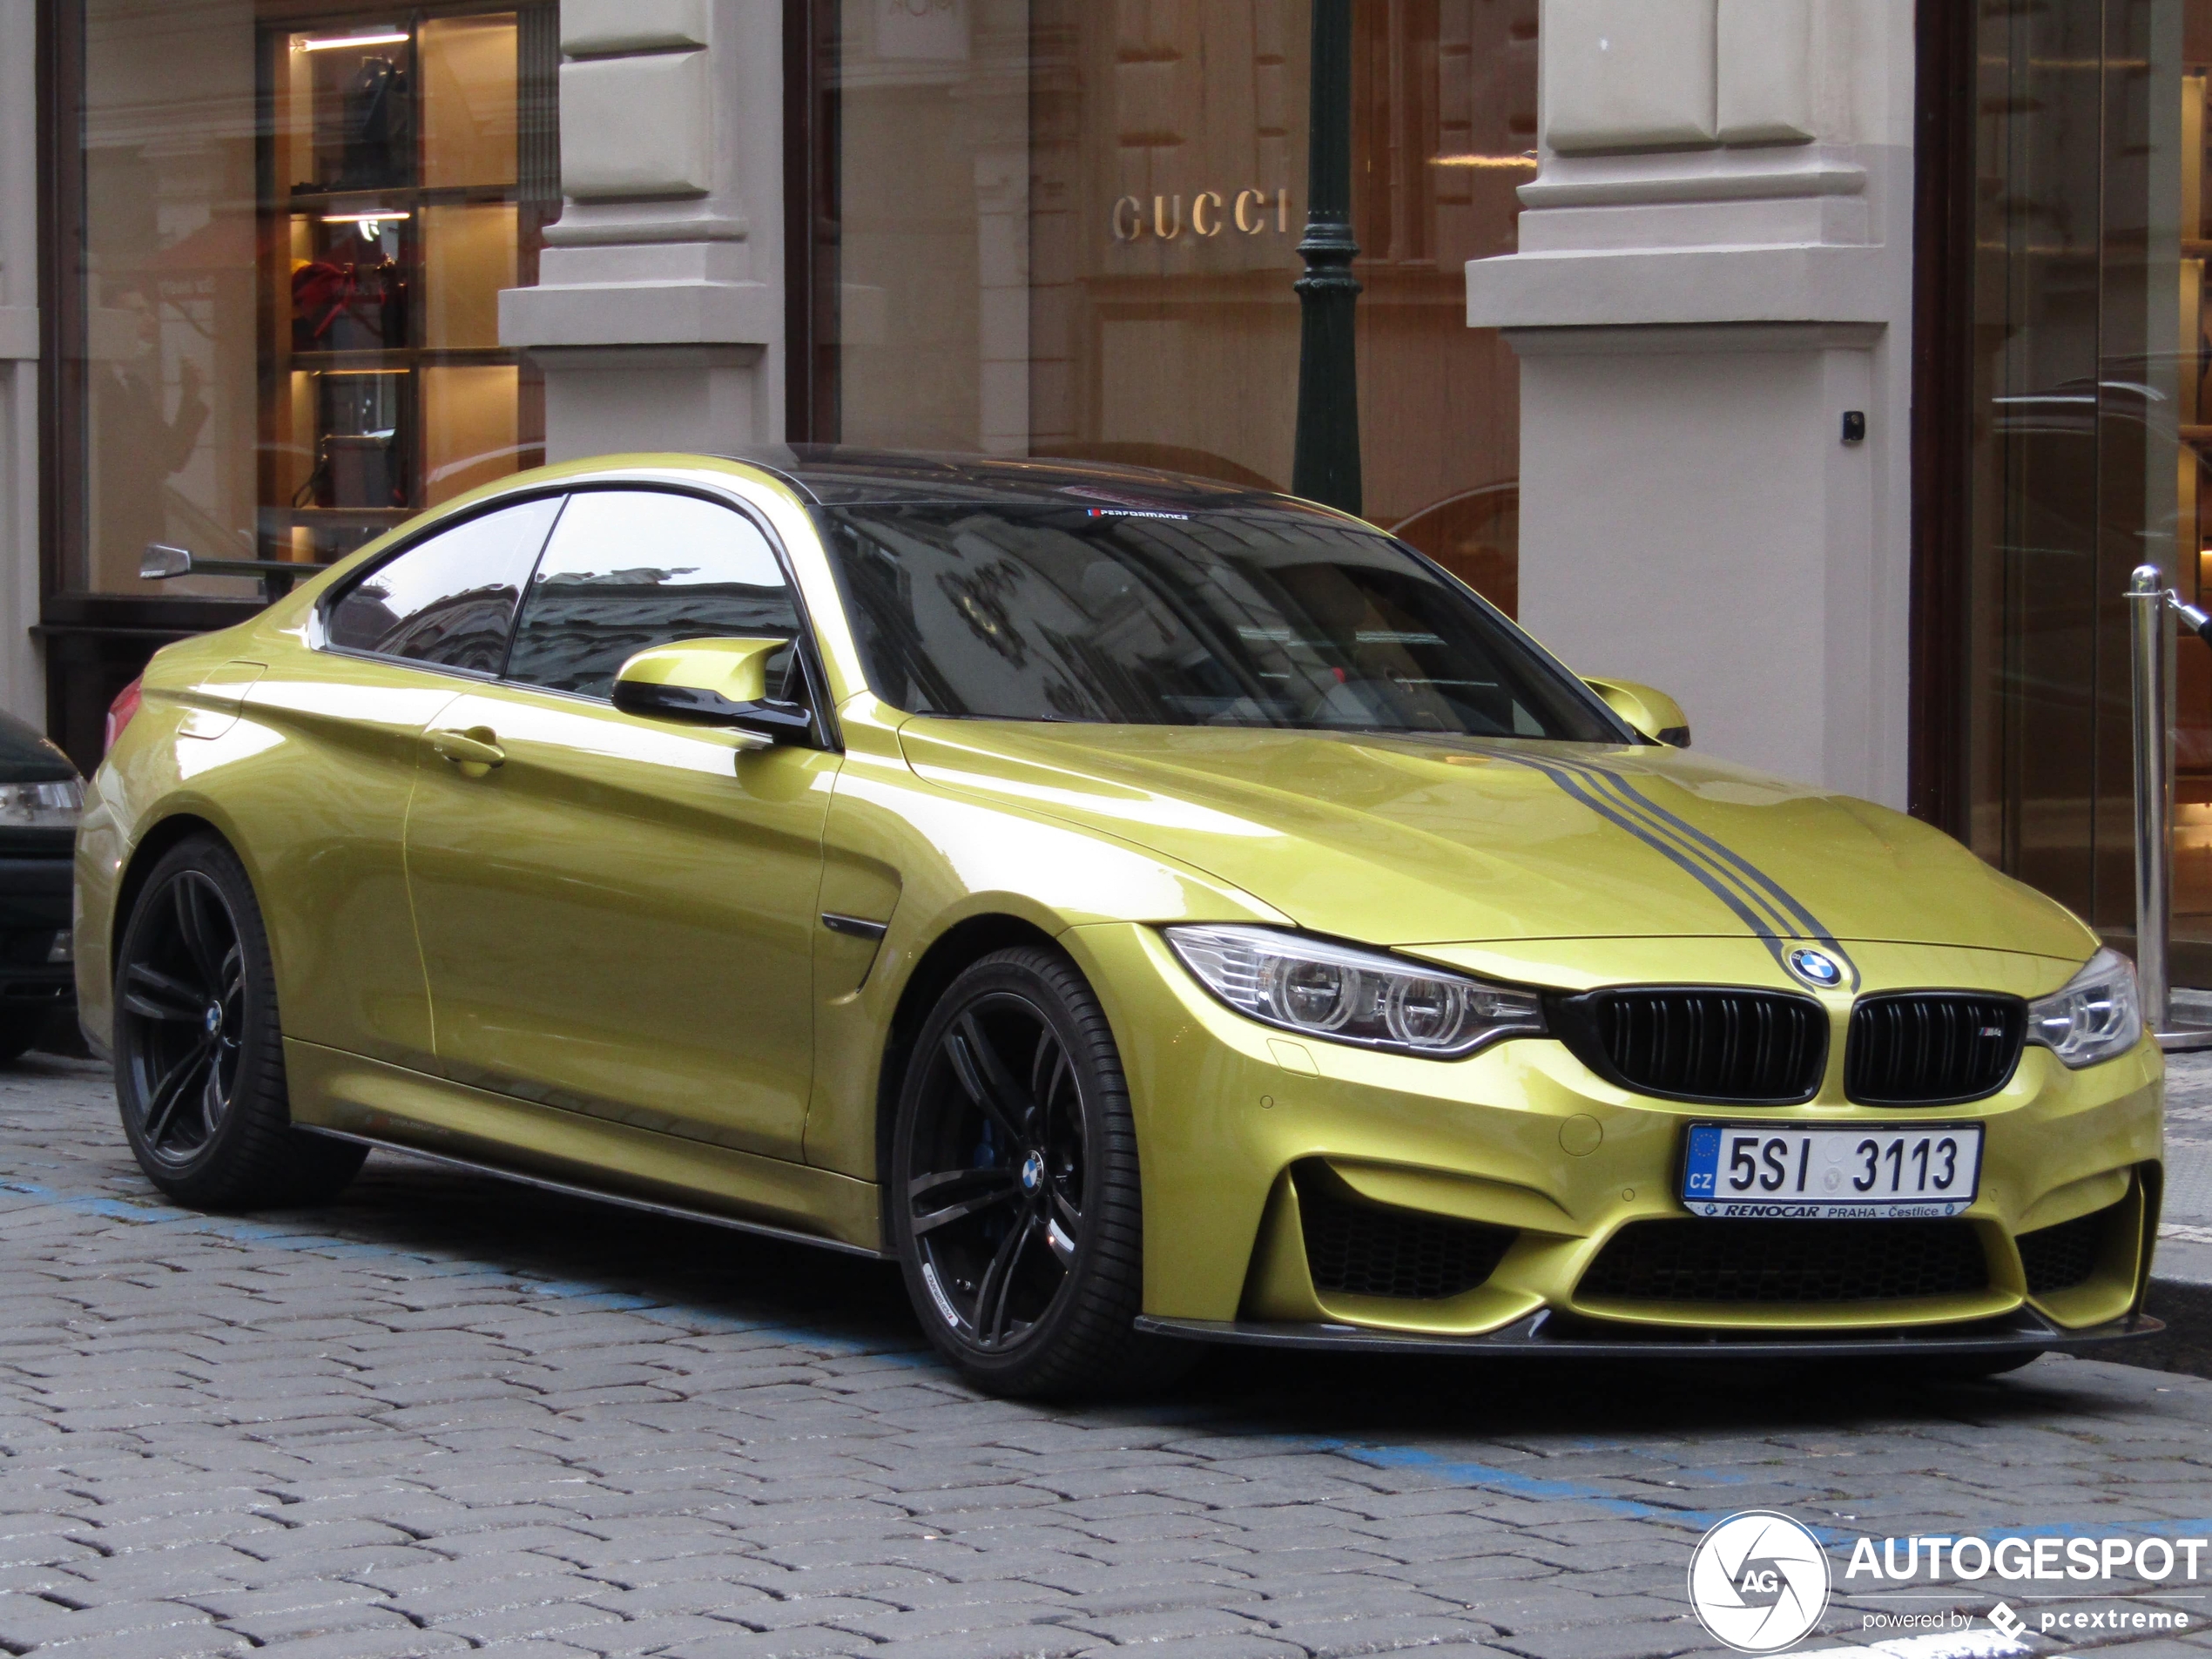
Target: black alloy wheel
<point x="1013" y="1191"/>
<point x="184" y="998"/>
<point x="199" y="1052"/>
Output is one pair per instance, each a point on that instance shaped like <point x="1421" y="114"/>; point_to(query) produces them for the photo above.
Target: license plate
<point x="1884" y="1172"/>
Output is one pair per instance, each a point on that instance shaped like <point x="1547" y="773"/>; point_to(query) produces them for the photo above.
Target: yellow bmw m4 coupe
<point x="1147" y="910"/>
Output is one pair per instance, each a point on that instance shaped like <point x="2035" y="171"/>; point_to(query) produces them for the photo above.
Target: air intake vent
<point x="1728" y="1047"/>
<point x="2058" y="1258"/>
<point x="1738" y="1261"/>
<point x="1932" y="1048"/>
<point x="1354" y="1248"/>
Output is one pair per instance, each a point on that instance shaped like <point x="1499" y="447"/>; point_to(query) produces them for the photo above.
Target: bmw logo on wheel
<point x="1817" y="968"/>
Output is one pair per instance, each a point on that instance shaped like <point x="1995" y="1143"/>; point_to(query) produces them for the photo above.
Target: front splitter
<point x="1545" y="1334"/>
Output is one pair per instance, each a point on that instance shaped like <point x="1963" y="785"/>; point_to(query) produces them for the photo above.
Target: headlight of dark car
<point x="47" y="805"/>
<point x="1319" y="988"/>
<point x="2096" y="1015"/>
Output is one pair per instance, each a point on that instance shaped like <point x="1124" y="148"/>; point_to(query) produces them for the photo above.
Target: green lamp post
<point x="1325" y="464"/>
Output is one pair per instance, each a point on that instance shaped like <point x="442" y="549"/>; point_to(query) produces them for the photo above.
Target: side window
<point x="449" y="600"/>
<point x="628" y="569"/>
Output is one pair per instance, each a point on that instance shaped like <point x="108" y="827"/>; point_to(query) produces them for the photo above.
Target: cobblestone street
<point x="449" y="1415"/>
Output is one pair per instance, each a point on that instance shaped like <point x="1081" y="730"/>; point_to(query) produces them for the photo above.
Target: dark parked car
<point x="40" y="795"/>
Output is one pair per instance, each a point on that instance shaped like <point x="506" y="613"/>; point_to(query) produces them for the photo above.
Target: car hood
<point x="1407" y="842"/>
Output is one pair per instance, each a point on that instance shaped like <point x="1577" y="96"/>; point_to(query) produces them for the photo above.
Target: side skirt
<point x="600" y="1195"/>
<point x="380" y="1104"/>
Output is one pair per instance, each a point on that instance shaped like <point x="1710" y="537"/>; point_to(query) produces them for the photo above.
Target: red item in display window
<point x="348" y="307"/>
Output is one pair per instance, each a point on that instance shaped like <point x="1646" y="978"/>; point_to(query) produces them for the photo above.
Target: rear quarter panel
<point x="304" y="768"/>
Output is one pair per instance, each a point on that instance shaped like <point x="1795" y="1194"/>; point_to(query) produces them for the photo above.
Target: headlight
<point x="54" y="806"/>
<point x="1320" y="989"/>
<point x="2097" y="1015"/>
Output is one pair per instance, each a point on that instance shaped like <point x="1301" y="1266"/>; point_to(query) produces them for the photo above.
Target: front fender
<point x="924" y="860"/>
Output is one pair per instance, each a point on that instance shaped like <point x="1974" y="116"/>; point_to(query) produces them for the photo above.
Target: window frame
<point x="320" y="637"/>
<point x="827" y="736"/>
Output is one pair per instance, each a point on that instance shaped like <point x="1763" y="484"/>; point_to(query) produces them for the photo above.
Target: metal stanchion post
<point x="2147" y="630"/>
<point x="2150" y="635"/>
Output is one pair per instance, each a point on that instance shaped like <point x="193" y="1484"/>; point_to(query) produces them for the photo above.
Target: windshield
<point x="1240" y="618"/>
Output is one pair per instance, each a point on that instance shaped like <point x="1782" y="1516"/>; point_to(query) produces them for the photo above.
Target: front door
<point x="399" y="643"/>
<point x="617" y="917"/>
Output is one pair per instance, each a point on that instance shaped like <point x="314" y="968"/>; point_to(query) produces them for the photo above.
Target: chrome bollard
<point x="2151" y="655"/>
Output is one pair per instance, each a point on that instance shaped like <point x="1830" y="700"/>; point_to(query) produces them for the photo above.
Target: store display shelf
<point x="302" y="204"/>
<point x="397" y="360"/>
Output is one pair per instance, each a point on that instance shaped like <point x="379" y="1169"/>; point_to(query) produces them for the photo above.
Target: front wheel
<point x="199" y="1051"/>
<point x="1014" y="1198"/>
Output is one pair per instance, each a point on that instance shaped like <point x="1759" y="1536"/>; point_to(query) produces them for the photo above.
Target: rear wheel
<point x="1014" y="1204"/>
<point x="199" y="1051"/>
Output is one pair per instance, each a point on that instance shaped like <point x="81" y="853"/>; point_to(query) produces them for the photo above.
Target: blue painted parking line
<point x="584" y="1295"/>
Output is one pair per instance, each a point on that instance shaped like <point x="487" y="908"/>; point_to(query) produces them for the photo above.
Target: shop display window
<point x="397" y="218"/>
<point x="286" y="232"/>
<point x="2192" y="557"/>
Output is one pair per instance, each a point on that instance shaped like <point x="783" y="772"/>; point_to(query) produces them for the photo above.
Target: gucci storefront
<point x="1056" y="228"/>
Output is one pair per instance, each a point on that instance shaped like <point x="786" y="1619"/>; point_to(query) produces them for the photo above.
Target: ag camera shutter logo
<point x="1759" y="1581"/>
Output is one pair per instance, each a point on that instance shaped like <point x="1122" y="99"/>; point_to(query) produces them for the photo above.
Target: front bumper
<point x="1243" y="1131"/>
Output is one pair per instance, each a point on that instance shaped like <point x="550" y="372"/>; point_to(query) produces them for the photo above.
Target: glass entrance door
<point x="2089" y="440"/>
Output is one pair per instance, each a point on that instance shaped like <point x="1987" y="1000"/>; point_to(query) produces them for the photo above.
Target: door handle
<point x="476" y="751"/>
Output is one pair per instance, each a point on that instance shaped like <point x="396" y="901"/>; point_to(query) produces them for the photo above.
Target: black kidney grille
<point x="1932" y="1048"/>
<point x="1743" y="1261"/>
<point x="2058" y="1258"/>
<point x="1756" y="1047"/>
<point x="1358" y="1249"/>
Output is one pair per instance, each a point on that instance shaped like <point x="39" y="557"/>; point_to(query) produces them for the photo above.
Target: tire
<point x="199" y="1051"/>
<point x="1014" y="1205"/>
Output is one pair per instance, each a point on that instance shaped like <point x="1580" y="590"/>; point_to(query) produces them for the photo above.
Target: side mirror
<point x="160" y="562"/>
<point x="712" y="682"/>
<point x="1651" y="712"/>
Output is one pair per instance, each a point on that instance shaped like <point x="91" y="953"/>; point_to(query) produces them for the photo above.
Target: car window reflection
<point x="628" y="569"/>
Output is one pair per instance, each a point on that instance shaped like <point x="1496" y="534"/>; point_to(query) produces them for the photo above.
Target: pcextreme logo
<point x="1758" y="1581"/>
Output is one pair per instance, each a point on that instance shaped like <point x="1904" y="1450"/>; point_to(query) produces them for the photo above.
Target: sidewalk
<point x="2181" y="1291"/>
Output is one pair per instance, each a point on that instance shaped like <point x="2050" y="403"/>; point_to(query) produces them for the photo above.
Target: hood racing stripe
<point x="1580" y="788"/>
<point x="1799" y="922"/>
<point x="1657" y="827"/>
<point x="1772" y="913"/>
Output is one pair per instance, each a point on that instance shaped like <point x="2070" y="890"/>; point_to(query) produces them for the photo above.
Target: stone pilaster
<point x="658" y="319"/>
<point x="1715" y="266"/>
